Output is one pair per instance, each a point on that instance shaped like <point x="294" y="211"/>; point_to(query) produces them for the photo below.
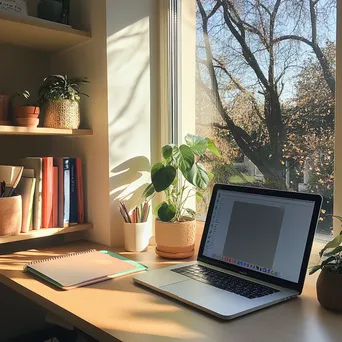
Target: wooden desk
<point x="119" y="310"/>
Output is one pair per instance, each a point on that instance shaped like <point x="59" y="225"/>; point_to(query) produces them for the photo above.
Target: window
<point x="264" y="79"/>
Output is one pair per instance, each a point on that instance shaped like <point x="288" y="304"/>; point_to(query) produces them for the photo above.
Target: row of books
<point x="52" y="192"/>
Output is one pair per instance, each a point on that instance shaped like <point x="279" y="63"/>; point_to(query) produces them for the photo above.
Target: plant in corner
<point x="329" y="282"/>
<point x="175" y="225"/>
<point x="59" y="96"/>
<point x="27" y="114"/>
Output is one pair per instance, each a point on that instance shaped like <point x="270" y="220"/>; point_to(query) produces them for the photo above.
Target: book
<point x="26" y="188"/>
<point x="63" y="191"/>
<point x="47" y="192"/>
<point x="55" y="197"/>
<point x="74" y="270"/>
<point x="73" y="219"/>
<point x="66" y="213"/>
<point x="35" y="164"/>
<point x="80" y="192"/>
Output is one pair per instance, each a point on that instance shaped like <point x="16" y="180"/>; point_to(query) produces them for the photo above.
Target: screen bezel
<point x="254" y="274"/>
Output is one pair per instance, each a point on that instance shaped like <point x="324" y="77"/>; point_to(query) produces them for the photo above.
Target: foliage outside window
<point x="265" y="85"/>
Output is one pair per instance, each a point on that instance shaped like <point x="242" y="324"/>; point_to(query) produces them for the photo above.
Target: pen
<point x="3" y="188"/>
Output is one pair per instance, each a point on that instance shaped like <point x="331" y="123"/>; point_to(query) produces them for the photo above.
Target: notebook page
<point x="82" y="267"/>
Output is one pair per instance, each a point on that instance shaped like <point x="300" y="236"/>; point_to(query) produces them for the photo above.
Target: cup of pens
<point x="136" y="227"/>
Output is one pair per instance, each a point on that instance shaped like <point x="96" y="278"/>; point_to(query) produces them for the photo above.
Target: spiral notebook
<point x="74" y="270"/>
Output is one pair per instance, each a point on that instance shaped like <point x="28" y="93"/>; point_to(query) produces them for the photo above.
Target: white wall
<point x="132" y="67"/>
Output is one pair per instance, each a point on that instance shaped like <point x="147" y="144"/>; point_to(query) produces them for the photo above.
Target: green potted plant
<point x="28" y="113"/>
<point x="59" y="96"/>
<point x="329" y="282"/>
<point x="175" y="225"/>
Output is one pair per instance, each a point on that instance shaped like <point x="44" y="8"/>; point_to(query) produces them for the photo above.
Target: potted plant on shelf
<point x="329" y="282"/>
<point x="59" y="97"/>
<point x="175" y="225"/>
<point x="27" y="114"/>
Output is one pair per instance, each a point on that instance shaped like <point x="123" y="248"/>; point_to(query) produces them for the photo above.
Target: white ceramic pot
<point x="137" y="236"/>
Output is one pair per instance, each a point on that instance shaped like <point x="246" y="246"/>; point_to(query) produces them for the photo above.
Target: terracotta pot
<point x="27" y="122"/>
<point x="175" y="238"/>
<point x="26" y="112"/>
<point x="329" y="290"/>
<point x="10" y="215"/>
<point x="62" y="114"/>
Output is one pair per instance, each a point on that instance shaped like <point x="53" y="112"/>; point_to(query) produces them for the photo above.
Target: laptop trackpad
<point x="207" y="296"/>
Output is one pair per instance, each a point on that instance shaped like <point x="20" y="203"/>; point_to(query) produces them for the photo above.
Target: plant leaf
<point x="156" y="208"/>
<point x="167" y="151"/>
<point x="155" y="168"/>
<point x="191" y="212"/>
<point x="149" y="191"/>
<point x="334" y="251"/>
<point x="210" y="175"/>
<point x="186" y="158"/>
<point x="166" y="212"/>
<point x="162" y="176"/>
<point x="197" y="176"/>
<point x="326" y="261"/>
<point x="314" y="269"/>
<point x="212" y="148"/>
<point x="197" y="144"/>
<point x="199" y="196"/>
<point x="332" y="244"/>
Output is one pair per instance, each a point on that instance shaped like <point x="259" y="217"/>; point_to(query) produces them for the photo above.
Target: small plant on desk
<point x="329" y="282"/>
<point x="179" y="175"/>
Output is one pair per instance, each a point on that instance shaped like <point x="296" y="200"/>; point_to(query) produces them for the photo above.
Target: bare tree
<point x="255" y="40"/>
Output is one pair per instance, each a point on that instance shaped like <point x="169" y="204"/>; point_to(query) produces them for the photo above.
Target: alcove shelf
<point x="45" y="232"/>
<point x="39" y="34"/>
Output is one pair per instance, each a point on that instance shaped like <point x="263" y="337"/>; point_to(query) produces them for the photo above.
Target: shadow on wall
<point x="128" y="181"/>
<point x="129" y="40"/>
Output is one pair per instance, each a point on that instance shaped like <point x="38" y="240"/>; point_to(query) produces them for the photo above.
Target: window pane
<point x="265" y="89"/>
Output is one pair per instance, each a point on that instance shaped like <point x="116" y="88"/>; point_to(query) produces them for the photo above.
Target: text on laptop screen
<point x="267" y="234"/>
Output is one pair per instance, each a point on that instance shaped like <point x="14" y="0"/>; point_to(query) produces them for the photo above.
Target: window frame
<point x="173" y="114"/>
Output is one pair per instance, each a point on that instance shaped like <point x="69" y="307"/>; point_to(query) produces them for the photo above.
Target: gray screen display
<point x="265" y="233"/>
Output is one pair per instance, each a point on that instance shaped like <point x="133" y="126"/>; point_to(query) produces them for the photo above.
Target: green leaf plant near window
<point x="165" y="175"/>
<point x="175" y="224"/>
<point x="329" y="282"/>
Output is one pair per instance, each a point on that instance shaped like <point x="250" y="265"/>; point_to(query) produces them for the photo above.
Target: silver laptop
<point x="254" y="252"/>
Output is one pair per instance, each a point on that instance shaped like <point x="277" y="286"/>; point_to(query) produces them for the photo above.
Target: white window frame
<point x="183" y="115"/>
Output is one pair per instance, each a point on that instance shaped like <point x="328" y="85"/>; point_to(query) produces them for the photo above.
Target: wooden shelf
<point x="16" y="130"/>
<point x="44" y="232"/>
<point x="38" y="34"/>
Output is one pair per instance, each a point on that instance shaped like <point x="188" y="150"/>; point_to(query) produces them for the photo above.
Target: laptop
<point x="254" y="252"/>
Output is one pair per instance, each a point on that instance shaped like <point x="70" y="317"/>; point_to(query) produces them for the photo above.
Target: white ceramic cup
<point x="137" y="236"/>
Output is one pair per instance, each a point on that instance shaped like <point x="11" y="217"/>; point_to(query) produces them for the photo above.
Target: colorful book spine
<point x="66" y="211"/>
<point x="73" y="193"/>
<point x="55" y="197"/>
<point x="80" y="193"/>
<point x="47" y="192"/>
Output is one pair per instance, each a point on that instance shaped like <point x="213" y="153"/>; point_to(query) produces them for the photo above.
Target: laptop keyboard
<point x="225" y="281"/>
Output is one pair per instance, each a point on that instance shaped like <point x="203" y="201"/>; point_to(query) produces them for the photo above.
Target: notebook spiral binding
<point x="58" y="257"/>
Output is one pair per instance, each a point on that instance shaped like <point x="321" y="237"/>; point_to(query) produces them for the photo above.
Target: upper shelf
<point x="38" y="34"/>
<point x="17" y="130"/>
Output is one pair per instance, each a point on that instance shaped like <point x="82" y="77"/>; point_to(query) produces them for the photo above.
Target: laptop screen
<point x="266" y="234"/>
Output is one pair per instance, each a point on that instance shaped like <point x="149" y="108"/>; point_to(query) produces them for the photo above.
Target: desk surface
<point x="120" y="310"/>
